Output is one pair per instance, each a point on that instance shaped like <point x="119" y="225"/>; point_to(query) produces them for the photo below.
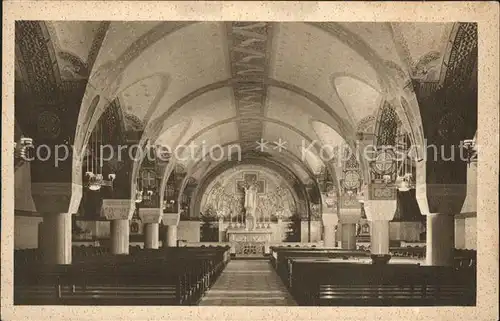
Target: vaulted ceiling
<point x="239" y="82"/>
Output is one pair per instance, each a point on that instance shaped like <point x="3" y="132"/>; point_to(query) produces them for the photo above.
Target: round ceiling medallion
<point x="49" y="125"/>
<point x="351" y="180"/>
<point x="384" y="163"/>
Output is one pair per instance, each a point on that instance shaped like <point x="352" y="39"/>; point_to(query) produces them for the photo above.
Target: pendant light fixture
<point x="95" y="174"/>
<point x="404" y="180"/>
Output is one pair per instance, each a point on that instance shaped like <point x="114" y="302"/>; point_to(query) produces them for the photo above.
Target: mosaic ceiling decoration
<point x="249" y="55"/>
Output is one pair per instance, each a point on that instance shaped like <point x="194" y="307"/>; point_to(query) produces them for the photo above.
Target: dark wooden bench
<point x="280" y="256"/>
<point x="151" y="277"/>
<point x="320" y="282"/>
<point x="462" y="258"/>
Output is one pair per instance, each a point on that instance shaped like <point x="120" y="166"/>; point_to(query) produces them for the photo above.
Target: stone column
<point x="379" y="212"/>
<point x="459" y="232"/>
<point x="119" y="212"/>
<point x="222" y="232"/>
<point x="439" y="202"/>
<point x="440" y="239"/>
<point x="120" y="232"/>
<point x="151" y="218"/>
<point x="348" y="236"/>
<point x="56" y="238"/>
<point x="469" y="210"/>
<point x="57" y="202"/>
<point x="151" y="235"/>
<point x="348" y="218"/>
<point x="171" y="235"/>
<point x="338" y="236"/>
<point x="40" y="236"/>
<point x="330" y="220"/>
<point x="379" y="237"/>
<point x="171" y="220"/>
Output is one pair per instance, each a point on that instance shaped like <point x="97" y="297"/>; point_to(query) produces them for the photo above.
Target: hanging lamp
<point x="404" y="181"/>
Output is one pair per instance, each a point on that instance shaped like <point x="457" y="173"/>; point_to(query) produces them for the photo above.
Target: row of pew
<point x="170" y="276"/>
<point x="462" y="257"/>
<point x="334" y="277"/>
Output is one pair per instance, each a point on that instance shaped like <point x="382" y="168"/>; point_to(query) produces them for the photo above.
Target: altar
<point x="249" y="243"/>
<point x="251" y="238"/>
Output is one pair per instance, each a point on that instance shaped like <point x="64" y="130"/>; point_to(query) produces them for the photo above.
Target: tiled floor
<point x="248" y="283"/>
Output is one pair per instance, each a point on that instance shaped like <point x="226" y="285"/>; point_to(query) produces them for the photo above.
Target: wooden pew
<point x="315" y="282"/>
<point x="463" y="258"/>
<point x="158" y="277"/>
<point x="280" y="256"/>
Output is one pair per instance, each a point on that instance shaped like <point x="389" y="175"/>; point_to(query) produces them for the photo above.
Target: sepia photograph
<point x="248" y="162"/>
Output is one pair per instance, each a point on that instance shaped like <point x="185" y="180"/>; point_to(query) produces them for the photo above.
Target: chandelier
<point x="404" y="180"/>
<point x="138" y="196"/>
<point x="148" y="195"/>
<point x="94" y="175"/>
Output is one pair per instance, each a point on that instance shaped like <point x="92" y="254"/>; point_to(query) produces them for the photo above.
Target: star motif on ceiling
<point x="280" y="145"/>
<point x="261" y="145"/>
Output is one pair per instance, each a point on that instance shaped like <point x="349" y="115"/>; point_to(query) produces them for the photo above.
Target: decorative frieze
<point x="171" y="218"/>
<point x="150" y="215"/>
<point x="55" y="197"/>
<point x="117" y="209"/>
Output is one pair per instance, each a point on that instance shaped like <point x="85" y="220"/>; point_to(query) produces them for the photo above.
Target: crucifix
<point x="252" y="188"/>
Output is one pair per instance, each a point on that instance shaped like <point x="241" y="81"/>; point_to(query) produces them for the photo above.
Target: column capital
<point x="329" y="219"/>
<point x="171" y="218"/>
<point x="440" y="198"/>
<point x="379" y="192"/>
<point x="382" y="210"/>
<point x="117" y="209"/>
<point x="150" y="215"/>
<point x="56" y="197"/>
<point x="349" y="215"/>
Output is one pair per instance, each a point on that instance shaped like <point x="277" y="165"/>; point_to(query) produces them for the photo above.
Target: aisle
<point x="250" y="283"/>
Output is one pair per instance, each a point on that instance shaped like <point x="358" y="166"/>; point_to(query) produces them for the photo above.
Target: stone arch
<point x="287" y="154"/>
<point x="283" y="171"/>
<point x="268" y="81"/>
<point x="222" y="122"/>
<point x="334" y="80"/>
<point x="105" y="79"/>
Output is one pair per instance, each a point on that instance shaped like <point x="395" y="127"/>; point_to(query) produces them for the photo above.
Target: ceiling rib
<point x="249" y="56"/>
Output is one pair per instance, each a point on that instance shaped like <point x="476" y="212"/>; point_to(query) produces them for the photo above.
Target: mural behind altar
<point x="252" y="206"/>
<point x="224" y="197"/>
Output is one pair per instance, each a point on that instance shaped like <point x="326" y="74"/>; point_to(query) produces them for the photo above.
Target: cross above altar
<point x="251" y="179"/>
<point x="252" y="188"/>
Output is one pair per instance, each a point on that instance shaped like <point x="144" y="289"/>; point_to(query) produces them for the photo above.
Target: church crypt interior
<point x="245" y="163"/>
